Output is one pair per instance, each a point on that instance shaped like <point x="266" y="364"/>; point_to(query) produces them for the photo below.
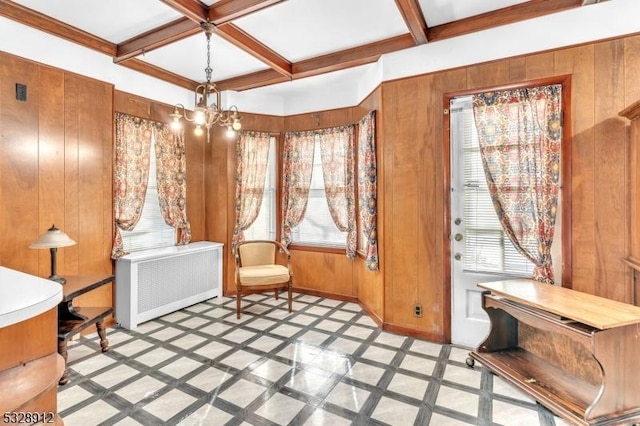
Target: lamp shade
<point x="53" y="238"/>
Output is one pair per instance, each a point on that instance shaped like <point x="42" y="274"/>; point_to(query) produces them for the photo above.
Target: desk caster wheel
<point x="470" y="362"/>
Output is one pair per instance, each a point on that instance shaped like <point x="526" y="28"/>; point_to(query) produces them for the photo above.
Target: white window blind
<point x="487" y="247"/>
<point x="264" y="227"/>
<point x="151" y="231"/>
<point x="317" y="227"/>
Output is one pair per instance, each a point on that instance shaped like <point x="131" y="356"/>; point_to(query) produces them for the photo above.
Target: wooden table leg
<point x="62" y="350"/>
<point x="104" y="343"/>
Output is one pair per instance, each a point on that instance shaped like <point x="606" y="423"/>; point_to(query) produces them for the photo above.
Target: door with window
<point x="480" y="249"/>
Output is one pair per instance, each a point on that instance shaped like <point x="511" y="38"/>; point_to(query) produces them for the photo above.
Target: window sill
<point x="317" y="249"/>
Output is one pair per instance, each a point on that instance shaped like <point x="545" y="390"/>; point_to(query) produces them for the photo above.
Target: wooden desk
<point x="72" y="319"/>
<point x="573" y="352"/>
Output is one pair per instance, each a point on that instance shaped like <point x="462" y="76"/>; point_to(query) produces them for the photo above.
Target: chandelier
<point x="207" y="100"/>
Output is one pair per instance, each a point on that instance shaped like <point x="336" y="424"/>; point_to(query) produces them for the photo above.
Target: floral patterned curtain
<point x="520" y="136"/>
<point x="131" y="173"/>
<point x="172" y="181"/>
<point x="252" y="157"/>
<point x="367" y="188"/>
<point x="337" y="154"/>
<point x="297" y="168"/>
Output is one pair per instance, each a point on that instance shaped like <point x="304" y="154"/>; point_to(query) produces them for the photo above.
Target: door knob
<point x="458" y="221"/>
<point x="458" y="237"/>
<point x="457" y="256"/>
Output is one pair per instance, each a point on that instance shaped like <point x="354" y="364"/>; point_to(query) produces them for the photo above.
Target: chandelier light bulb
<point x="175" y="125"/>
<point x="199" y="116"/>
<point x="230" y="132"/>
<point x="198" y="130"/>
<point x="236" y="124"/>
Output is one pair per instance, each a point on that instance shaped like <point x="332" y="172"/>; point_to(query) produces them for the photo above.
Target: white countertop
<point x="24" y="296"/>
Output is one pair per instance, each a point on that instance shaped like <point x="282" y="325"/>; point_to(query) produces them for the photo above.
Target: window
<point x="151" y="231"/>
<point x="264" y="227"/>
<point x="487" y="247"/>
<point x="317" y="227"/>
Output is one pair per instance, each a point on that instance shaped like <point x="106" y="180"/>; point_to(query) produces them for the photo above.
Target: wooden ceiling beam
<point x="159" y="37"/>
<point x="351" y="57"/>
<point x="252" y="81"/>
<point x="192" y="9"/>
<point x="508" y="15"/>
<point x="159" y="73"/>
<point x="322" y="64"/>
<point x="57" y="28"/>
<point x="244" y="41"/>
<point x="225" y="11"/>
<point x="414" y="18"/>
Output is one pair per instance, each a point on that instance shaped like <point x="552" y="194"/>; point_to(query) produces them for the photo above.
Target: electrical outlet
<point x="21" y="92"/>
<point x="417" y="310"/>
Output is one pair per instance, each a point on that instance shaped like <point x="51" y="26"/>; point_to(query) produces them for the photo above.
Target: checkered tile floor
<point x="325" y="363"/>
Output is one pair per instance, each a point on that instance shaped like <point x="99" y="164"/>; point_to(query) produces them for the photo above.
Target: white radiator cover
<point x="152" y="283"/>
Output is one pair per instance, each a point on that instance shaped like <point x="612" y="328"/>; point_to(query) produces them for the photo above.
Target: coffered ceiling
<point x="259" y="43"/>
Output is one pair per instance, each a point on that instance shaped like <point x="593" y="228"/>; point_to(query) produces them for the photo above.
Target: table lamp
<point x="52" y="239"/>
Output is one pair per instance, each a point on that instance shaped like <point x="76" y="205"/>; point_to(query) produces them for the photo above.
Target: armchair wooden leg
<point x="275" y="292"/>
<point x="238" y="303"/>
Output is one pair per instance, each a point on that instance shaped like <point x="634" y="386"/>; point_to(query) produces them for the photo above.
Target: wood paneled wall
<point x="604" y="79"/>
<point x="55" y="168"/>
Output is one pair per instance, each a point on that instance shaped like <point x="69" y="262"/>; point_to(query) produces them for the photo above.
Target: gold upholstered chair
<point x="260" y="268"/>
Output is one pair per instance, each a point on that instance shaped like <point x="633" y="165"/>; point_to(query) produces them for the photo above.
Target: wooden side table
<point x="72" y="320"/>
<point x="574" y="353"/>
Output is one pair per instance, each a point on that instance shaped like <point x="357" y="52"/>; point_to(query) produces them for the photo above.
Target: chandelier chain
<point x="208" y="69"/>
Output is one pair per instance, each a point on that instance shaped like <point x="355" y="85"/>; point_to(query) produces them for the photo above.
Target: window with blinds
<point x="317" y="228"/>
<point x="151" y="231"/>
<point x="264" y="227"/>
<point x="487" y="247"/>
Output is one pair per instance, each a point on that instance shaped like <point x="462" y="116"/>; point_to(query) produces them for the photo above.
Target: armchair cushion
<point x="263" y="275"/>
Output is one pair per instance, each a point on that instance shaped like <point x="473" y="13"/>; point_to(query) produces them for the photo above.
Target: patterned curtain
<point x="252" y="157"/>
<point x="337" y="154"/>
<point x="131" y="172"/>
<point x="171" y="179"/>
<point x="297" y="168"/>
<point x="367" y="188"/>
<point x="520" y="134"/>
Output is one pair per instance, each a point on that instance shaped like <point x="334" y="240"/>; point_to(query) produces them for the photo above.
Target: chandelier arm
<point x="176" y="112"/>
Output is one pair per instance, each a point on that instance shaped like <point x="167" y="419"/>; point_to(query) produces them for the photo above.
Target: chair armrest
<point x="236" y="256"/>
<point x="284" y="250"/>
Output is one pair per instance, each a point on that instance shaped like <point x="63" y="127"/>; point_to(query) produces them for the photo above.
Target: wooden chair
<point x="258" y="270"/>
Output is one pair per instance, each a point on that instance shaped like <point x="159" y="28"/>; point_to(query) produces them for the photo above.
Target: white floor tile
<point x="272" y="370"/>
<point x="242" y="393"/>
<point x="143" y="388"/>
<point x="209" y="379"/>
<point x="115" y="375"/>
<point x="93" y="414"/>
<point x="180" y="367"/>
<point x="394" y="412"/>
<point x="167" y="405"/>
<point x="280" y="409"/>
<point x="348" y="396"/>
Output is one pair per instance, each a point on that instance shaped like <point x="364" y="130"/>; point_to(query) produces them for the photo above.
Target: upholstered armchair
<point x="260" y="269"/>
